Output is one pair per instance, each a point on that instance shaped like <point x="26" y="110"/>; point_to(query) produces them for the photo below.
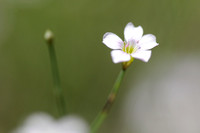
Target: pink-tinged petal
<point x="112" y="41"/>
<point x="132" y="33"/>
<point x="119" y="56"/>
<point x="142" y="55"/>
<point x="148" y="42"/>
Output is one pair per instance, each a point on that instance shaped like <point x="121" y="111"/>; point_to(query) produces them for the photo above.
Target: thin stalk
<point x="107" y="106"/>
<point x="58" y="91"/>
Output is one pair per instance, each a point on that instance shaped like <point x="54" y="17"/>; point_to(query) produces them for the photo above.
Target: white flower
<point x="43" y="123"/>
<point x="135" y="45"/>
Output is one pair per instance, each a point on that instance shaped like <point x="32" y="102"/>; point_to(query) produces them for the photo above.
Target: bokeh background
<point x="86" y="70"/>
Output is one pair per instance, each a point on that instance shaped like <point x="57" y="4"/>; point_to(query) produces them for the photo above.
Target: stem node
<point x="107" y="106"/>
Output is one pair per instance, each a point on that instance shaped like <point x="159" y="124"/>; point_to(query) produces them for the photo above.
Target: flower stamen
<point x="130" y="48"/>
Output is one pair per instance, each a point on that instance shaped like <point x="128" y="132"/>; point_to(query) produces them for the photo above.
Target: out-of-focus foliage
<point x="86" y="69"/>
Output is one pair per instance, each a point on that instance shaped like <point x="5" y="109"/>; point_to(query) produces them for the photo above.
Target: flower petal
<point x="142" y="55"/>
<point x="132" y="33"/>
<point x="112" y="41"/>
<point x="148" y="42"/>
<point x="119" y="56"/>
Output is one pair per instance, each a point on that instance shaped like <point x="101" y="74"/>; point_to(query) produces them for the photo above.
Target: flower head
<point x="135" y="45"/>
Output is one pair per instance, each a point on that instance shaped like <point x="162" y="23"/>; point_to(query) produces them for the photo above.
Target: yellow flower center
<point x="130" y="47"/>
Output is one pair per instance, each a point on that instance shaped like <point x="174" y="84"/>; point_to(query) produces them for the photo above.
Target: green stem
<point x="106" y="108"/>
<point x="60" y="102"/>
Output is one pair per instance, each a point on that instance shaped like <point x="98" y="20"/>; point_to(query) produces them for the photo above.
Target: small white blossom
<point x="43" y="123"/>
<point x="135" y="45"/>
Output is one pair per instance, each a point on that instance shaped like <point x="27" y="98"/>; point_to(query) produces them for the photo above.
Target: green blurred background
<point x="86" y="70"/>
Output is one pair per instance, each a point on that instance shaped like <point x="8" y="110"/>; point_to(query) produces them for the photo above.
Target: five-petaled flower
<point x="135" y="45"/>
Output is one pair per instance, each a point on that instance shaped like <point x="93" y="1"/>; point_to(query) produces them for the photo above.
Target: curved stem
<point x="107" y="106"/>
<point x="60" y="102"/>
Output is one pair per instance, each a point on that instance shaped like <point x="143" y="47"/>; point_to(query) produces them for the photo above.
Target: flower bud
<point x="48" y="36"/>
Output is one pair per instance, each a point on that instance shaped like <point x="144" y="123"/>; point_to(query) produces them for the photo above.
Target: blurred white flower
<point x="166" y="100"/>
<point x="43" y="123"/>
<point x="134" y="46"/>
